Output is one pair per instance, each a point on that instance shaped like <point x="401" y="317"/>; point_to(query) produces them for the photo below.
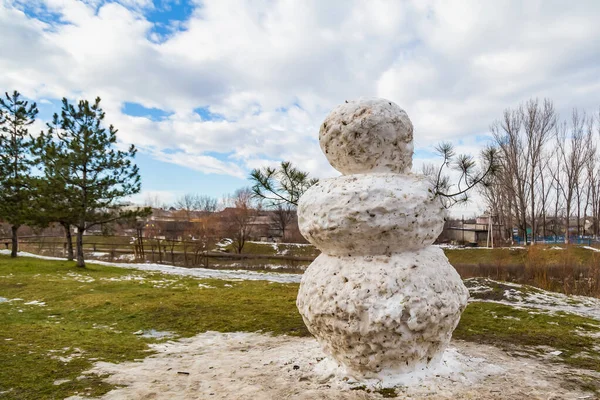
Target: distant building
<point x="472" y="233"/>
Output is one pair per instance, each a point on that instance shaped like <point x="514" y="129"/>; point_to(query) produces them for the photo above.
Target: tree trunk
<point x="69" y="240"/>
<point x="532" y="194"/>
<point x="80" y="260"/>
<point x="567" y="223"/>
<point x="15" y="241"/>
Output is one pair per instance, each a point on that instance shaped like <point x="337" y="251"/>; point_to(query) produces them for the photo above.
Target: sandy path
<point x="260" y="367"/>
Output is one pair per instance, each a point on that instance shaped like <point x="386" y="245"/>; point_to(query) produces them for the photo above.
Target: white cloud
<point x="273" y="69"/>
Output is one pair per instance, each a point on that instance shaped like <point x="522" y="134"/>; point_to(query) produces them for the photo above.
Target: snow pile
<point x="255" y="366"/>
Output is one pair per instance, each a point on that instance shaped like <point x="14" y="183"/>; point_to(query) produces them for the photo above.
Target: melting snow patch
<point x="590" y="248"/>
<point x="193" y="272"/>
<point x="203" y="286"/>
<point x="80" y="278"/>
<point x="260" y="367"/>
<point x="35" y="303"/>
<point x="125" y="278"/>
<point x="99" y="254"/>
<point x="154" y="334"/>
<point x="224" y="242"/>
<point x="65" y="358"/>
<point x="531" y="297"/>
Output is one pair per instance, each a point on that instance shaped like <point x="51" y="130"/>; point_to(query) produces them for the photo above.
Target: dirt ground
<point x="260" y="367"/>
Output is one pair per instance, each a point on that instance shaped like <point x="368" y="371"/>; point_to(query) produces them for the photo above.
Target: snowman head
<point x="368" y="135"/>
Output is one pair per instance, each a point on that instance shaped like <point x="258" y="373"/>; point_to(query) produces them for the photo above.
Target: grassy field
<point x="548" y="254"/>
<point x="95" y="312"/>
<point x="570" y="270"/>
<point x="79" y="316"/>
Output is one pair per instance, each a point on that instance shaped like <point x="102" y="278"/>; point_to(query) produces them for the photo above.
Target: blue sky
<point x="208" y="90"/>
<point x="160" y="178"/>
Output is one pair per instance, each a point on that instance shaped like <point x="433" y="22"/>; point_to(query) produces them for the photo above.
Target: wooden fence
<point x="175" y="252"/>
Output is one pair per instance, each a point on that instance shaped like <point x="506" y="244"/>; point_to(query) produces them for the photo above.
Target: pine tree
<point x="16" y="162"/>
<point x="85" y="173"/>
<point x="51" y="202"/>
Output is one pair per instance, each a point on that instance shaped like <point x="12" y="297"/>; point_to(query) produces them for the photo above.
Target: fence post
<point x="185" y="254"/>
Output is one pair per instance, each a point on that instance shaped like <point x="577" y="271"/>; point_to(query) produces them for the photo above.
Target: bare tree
<point x="282" y="216"/>
<point x="508" y="135"/>
<point x="573" y="145"/>
<point x="593" y="189"/>
<point x="238" y="219"/>
<point x="191" y="202"/>
<point x="154" y="201"/>
<point x="538" y="127"/>
<point x="554" y="168"/>
<point x="545" y="189"/>
<point x="206" y="203"/>
<point x="187" y="204"/>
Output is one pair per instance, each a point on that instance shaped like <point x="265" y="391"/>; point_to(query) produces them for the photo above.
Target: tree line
<point x="548" y="182"/>
<point x="72" y="173"/>
<point x="274" y="193"/>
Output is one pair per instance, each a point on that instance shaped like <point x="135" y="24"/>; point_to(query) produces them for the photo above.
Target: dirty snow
<point x="35" y="303"/>
<point x="203" y="286"/>
<point x="591" y="248"/>
<point x="68" y="354"/>
<point x="260" y="367"/>
<point x="527" y="296"/>
<point x="80" y="278"/>
<point x="99" y="254"/>
<point x="154" y="334"/>
<point x="192" y="272"/>
<point x="264" y="266"/>
<point x="224" y="243"/>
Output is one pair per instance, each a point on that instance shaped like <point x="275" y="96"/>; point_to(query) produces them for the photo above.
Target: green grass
<point x="98" y="309"/>
<point x="100" y="318"/>
<point x="485" y="256"/>
<point x="510" y="328"/>
<point x="505" y="256"/>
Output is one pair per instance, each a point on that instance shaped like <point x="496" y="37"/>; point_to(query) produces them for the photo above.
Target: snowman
<point x="380" y="298"/>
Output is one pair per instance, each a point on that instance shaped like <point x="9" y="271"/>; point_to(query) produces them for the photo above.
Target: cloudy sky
<point x="208" y="90"/>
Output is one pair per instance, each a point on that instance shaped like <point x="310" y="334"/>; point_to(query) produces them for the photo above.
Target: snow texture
<point x="370" y="214"/>
<point x="383" y="314"/>
<point x="380" y="299"/>
<point x="362" y="136"/>
<point x="253" y="366"/>
<point x="524" y="296"/>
